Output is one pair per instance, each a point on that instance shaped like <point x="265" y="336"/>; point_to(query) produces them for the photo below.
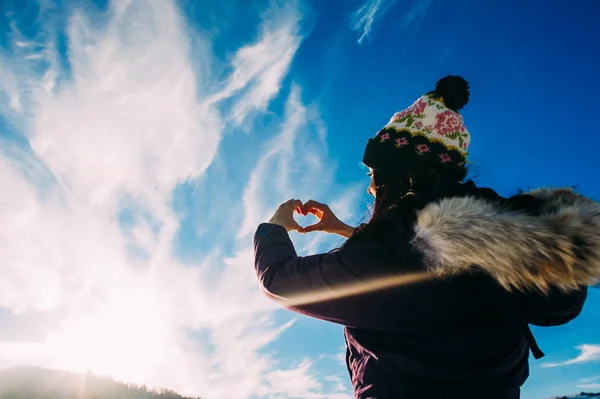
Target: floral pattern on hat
<point x="448" y="122"/>
<point x="414" y="111"/>
<point x="430" y="118"/>
<point x="445" y="158"/>
<point x="419" y="107"/>
<point x="430" y="131"/>
<point x="422" y="149"/>
<point x="401" y="142"/>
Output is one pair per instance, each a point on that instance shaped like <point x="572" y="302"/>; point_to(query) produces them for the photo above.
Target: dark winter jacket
<point x="428" y="303"/>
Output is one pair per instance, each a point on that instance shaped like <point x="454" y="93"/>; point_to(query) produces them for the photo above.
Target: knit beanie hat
<point x="430" y="134"/>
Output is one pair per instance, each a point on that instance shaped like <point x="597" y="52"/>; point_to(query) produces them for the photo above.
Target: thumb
<point x="297" y="227"/>
<point x="313" y="227"/>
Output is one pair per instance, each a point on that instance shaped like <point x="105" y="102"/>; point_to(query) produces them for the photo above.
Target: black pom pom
<point x="454" y="90"/>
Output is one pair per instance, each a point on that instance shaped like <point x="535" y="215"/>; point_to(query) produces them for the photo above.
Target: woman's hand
<point x="328" y="222"/>
<point x="284" y="216"/>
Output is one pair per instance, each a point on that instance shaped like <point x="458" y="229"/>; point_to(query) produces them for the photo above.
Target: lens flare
<point x="355" y="288"/>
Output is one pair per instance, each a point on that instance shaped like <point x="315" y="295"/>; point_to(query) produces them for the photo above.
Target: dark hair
<point x="401" y="195"/>
<point x="454" y="90"/>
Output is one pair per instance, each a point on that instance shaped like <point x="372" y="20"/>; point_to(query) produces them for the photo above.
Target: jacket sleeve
<point x="555" y="308"/>
<point x="336" y="286"/>
<point x="534" y="307"/>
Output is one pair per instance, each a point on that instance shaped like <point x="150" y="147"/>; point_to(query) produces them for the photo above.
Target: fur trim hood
<point x="558" y="246"/>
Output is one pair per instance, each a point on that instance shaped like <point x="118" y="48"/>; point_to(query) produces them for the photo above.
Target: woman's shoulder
<point x="471" y="192"/>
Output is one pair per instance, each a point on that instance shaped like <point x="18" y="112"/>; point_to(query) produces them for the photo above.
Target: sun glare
<point x="125" y="338"/>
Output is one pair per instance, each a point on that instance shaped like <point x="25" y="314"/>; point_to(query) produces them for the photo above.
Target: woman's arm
<point x="355" y="286"/>
<point x="343" y="230"/>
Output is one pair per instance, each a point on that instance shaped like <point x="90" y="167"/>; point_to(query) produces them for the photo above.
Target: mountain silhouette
<point x="38" y="383"/>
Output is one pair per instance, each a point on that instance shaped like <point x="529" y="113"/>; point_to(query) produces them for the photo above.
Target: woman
<point x="436" y="290"/>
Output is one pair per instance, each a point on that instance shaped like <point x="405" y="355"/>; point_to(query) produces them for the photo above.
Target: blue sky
<point x="142" y="142"/>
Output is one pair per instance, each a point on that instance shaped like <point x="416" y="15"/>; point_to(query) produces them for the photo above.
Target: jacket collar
<point x="558" y="246"/>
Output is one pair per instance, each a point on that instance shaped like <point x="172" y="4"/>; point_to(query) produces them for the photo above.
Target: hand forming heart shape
<point x="328" y="221"/>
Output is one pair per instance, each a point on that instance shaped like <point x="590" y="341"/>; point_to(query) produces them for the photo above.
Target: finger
<point x="297" y="227"/>
<point x="292" y="203"/>
<point x="300" y="208"/>
<point x="317" y="212"/>
<point x="312" y="204"/>
<point x="313" y="227"/>
<point x="303" y="208"/>
<point x="284" y="204"/>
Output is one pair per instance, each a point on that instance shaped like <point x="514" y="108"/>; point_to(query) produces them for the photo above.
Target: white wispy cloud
<point x="591" y="383"/>
<point x="589" y="386"/>
<point x="373" y="11"/>
<point x="364" y="18"/>
<point x="588" y="353"/>
<point x="260" y="67"/>
<point x="340" y="386"/>
<point x="9" y="87"/>
<point x="588" y="380"/>
<point x="115" y="134"/>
